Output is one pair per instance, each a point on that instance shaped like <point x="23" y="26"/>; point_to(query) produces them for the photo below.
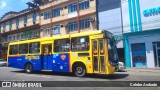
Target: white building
<point x="141" y="26"/>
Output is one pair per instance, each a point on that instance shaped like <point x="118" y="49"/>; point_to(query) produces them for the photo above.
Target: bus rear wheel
<point x="80" y="71"/>
<point x="28" y="68"/>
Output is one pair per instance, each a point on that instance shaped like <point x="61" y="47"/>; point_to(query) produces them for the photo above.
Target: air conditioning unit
<point x="34" y="22"/>
<point x="25" y="24"/>
<point x="65" y="7"/>
<point x="62" y="25"/>
<point x="92" y="19"/>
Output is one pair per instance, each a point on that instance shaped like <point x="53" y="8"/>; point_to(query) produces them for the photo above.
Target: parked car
<point x="3" y="63"/>
<point x="121" y="66"/>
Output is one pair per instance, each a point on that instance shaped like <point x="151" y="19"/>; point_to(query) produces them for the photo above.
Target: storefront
<point x="141" y="28"/>
<point x="142" y="49"/>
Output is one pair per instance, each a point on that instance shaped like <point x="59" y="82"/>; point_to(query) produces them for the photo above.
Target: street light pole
<point x="78" y="16"/>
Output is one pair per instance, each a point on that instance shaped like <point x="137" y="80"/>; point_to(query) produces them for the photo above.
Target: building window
<point x="34" y="17"/>
<point x="84" y="4"/>
<point x="9" y="38"/>
<point x="17" y="22"/>
<point x="84" y="23"/>
<point x="46" y="31"/>
<point x="14" y="37"/>
<point x="18" y="37"/>
<point x="26" y="34"/>
<point x="56" y="30"/>
<point x="156" y="51"/>
<point x="72" y="8"/>
<point x="10" y="24"/>
<point x="25" y="19"/>
<point x="29" y="34"/>
<point x="1" y="29"/>
<point x="36" y="33"/>
<point x="46" y="15"/>
<point x="23" y="35"/>
<point x="3" y="39"/>
<point x="56" y="12"/>
<point x="4" y="27"/>
<point x="72" y="26"/>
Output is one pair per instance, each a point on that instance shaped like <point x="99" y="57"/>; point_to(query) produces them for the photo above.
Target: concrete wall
<point x="109" y="17"/>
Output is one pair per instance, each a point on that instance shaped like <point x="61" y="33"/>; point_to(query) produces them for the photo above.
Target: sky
<point x="12" y="5"/>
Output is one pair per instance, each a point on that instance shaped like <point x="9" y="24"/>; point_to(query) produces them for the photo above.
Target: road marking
<point x="46" y="77"/>
<point x="30" y="75"/>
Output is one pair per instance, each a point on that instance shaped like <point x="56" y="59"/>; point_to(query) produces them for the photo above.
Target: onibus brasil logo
<point x="20" y="84"/>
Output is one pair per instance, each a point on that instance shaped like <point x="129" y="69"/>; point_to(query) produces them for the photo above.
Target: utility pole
<point x="51" y="19"/>
<point x="78" y="16"/>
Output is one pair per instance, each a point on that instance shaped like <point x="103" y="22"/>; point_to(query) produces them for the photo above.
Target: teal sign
<point x="152" y="11"/>
<point x="118" y="38"/>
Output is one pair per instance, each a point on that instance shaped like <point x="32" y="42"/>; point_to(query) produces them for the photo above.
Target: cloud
<point x="3" y="4"/>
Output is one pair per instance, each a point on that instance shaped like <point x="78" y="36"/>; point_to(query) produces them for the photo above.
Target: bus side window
<point x="13" y="50"/>
<point x="23" y="48"/>
<point x="62" y="45"/>
<point x="34" y="47"/>
<point x="50" y="49"/>
<point x="80" y="44"/>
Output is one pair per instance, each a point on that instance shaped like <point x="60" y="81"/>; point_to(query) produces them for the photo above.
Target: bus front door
<point x="47" y="57"/>
<point x="98" y="51"/>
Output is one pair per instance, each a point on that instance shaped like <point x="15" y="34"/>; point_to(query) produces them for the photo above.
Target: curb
<point x="143" y="70"/>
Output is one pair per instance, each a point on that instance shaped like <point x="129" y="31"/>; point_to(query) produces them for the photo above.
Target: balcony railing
<point x="52" y="3"/>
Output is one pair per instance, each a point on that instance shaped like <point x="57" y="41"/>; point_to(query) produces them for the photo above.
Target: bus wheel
<point x="80" y="71"/>
<point x="28" y="68"/>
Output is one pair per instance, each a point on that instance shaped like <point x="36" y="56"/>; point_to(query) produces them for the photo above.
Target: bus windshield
<point x="112" y="50"/>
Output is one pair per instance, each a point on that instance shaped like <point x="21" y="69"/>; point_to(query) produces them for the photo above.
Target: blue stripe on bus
<point x="54" y="62"/>
<point x="19" y="62"/>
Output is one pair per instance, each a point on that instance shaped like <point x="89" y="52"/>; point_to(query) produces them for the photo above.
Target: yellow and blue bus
<point x="82" y="53"/>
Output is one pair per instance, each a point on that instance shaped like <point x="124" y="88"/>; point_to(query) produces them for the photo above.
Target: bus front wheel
<point x="28" y="68"/>
<point x="80" y="70"/>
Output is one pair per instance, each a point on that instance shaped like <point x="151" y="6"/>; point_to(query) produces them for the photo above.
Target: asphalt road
<point x="11" y="74"/>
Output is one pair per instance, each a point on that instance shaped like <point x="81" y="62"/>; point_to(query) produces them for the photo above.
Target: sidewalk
<point x="143" y="69"/>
